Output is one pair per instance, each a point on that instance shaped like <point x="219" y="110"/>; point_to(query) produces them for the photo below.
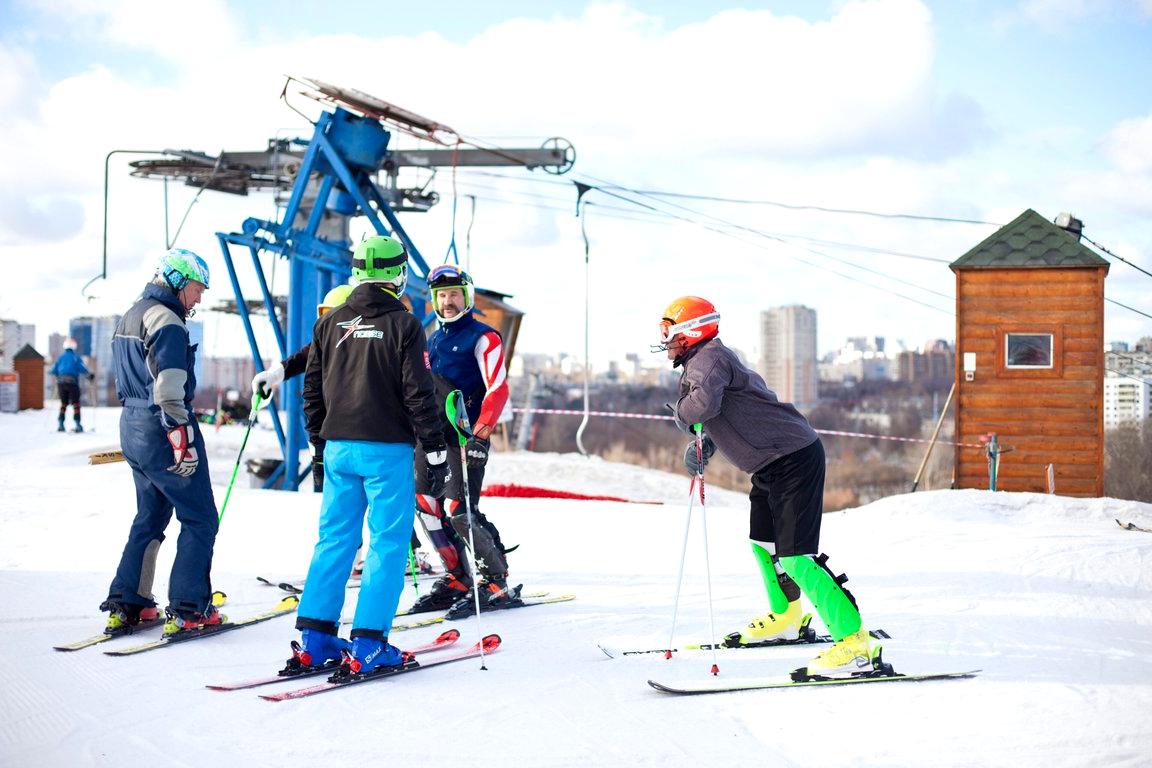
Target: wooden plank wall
<point x="1050" y="417"/>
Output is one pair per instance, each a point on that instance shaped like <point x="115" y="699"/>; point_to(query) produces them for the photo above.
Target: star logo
<point x="351" y="326"/>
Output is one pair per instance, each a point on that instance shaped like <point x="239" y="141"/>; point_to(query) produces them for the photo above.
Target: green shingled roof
<point x="1029" y="240"/>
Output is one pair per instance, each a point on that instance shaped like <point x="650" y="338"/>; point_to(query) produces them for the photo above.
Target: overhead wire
<point x="789" y="206"/>
<point x="653" y="211"/>
<point x="787" y="236"/>
<point x="1128" y="376"/>
<point x="1113" y="255"/>
<point x="1132" y="309"/>
<point x="819" y="208"/>
<point x="1133" y="359"/>
<point x="769" y="236"/>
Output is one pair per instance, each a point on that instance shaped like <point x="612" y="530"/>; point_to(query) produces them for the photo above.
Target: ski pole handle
<point x="458" y="415"/>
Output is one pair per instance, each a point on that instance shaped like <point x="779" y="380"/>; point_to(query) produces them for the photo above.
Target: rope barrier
<point x="654" y="417"/>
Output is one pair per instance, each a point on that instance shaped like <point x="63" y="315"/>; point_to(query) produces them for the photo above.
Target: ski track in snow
<point x="1047" y="595"/>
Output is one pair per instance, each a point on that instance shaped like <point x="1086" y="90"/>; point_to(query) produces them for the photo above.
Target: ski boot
<point x="124" y="617"/>
<point x="192" y="622"/>
<point x="852" y="656"/>
<point x="369" y="655"/>
<point x="772" y="628"/>
<point x="495" y="594"/>
<point x="77" y="427"/>
<point x="445" y="592"/>
<point x="316" y="649"/>
<point x="60" y="425"/>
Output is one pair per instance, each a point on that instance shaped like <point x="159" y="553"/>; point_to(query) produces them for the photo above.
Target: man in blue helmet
<point x="155" y="381"/>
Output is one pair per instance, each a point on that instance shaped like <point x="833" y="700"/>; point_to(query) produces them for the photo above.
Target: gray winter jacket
<point x="749" y="425"/>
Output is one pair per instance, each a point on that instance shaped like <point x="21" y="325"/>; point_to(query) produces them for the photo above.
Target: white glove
<point x="266" y="382"/>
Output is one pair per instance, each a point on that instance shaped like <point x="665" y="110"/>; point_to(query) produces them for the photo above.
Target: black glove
<point x="476" y="451"/>
<point x="692" y="462"/>
<point x="680" y="425"/>
<point x="438" y="473"/>
<point x="318" y="472"/>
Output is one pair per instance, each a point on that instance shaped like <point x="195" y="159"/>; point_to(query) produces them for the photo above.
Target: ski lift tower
<point x="343" y="171"/>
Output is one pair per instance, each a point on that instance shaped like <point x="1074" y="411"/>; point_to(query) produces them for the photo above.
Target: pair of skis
<point x="879" y="671"/>
<point x="218" y="599"/>
<point x="722" y="685"/>
<point x="411" y="663"/>
<point x="807" y="636"/>
<point x="283" y="608"/>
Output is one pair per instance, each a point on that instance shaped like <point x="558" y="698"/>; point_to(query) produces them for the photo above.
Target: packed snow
<point x="1046" y="595"/>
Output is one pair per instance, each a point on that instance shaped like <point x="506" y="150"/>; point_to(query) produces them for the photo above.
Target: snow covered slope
<point x="1046" y="594"/>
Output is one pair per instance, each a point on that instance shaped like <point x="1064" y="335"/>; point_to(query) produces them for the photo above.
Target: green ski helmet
<point x="179" y="266"/>
<point x="381" y="259"/>
<point x="333" y="299"/>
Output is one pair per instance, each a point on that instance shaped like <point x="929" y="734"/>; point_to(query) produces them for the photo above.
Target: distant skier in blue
<point x="368" y="396"/>
<point x="155" y="381"/>
<point x="68" y="369"/>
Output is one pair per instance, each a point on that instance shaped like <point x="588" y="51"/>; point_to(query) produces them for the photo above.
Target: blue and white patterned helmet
<point x="180" y="265"/>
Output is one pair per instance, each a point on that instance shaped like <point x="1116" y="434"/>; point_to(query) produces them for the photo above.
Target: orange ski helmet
<point x="690" y="319"/>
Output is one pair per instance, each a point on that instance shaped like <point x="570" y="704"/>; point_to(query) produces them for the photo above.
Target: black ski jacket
<point x="368" y="376"/>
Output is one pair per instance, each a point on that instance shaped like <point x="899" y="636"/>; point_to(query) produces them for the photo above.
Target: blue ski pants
<point x="159" y="493"/>
<point x="361" y="475"/>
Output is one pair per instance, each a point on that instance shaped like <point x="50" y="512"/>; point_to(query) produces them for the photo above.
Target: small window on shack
<point x="1028" y="350"/>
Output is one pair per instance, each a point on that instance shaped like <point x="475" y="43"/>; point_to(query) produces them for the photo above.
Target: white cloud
<point x="1129" y="145"/>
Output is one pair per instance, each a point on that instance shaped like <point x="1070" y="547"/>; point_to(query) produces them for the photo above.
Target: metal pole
<point x="587" y="362"/>
<point x="680" y="575"/>
<point x="458" y="415"/>
<point x="236" y="468"/>
<point x="707" y="565"/>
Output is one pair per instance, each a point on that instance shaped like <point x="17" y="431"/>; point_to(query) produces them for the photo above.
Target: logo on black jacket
<point x="358" y="330"/>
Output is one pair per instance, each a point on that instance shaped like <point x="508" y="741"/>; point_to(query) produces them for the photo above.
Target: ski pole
<point x="458" y="417"/>
<point x="704" y="524"/>
<point x="412" y="568"/>
<point x="680" y="575"/>
<point x="235" y="469"/>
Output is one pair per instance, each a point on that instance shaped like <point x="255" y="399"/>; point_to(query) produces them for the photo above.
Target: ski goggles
<point x="670" y="330"/>
<point x="448" y="275"/>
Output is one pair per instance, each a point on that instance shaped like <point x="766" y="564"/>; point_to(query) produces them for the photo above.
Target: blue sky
<point x="971" y="110"/>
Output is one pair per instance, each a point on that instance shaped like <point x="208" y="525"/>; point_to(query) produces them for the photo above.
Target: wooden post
<point x="1051" y="478"/>
<point x="935" y="432"/>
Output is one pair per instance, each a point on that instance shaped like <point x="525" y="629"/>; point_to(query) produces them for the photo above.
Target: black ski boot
<point x="495" y="594"/>
<point x="445" y="592"/>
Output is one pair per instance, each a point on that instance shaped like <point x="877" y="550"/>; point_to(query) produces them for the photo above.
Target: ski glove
<point x="438" y="474"/>
<point x="476" y="451"/>
<point x="680" y="424"/>
<point x="184" y="455"/>
<point x="266" y="382"/>
<point x="692" y="462"/>
<point x="318" y="472"/>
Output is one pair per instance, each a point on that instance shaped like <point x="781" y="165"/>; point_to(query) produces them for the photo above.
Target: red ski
<point x="445" y="640"/>
<point x="491" y="643"/>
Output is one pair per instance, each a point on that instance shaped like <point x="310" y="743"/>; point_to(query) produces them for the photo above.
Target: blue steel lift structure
<point x="333" y="178"/>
